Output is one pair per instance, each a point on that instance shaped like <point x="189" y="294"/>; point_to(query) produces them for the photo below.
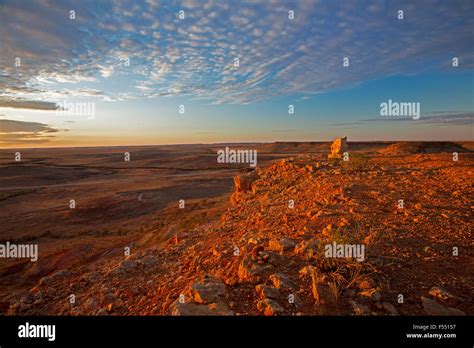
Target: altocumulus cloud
<point x="195" y="56"/>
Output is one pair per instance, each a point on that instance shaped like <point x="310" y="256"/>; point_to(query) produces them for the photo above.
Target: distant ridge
<point x="423" y="147"/>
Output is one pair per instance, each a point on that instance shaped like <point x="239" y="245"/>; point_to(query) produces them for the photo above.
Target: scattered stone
<point x="324" y="294"/>
<point x="149" y="260"/>
<point x="284" y="244"/>
<point x="252" y="241"/>
<point x="251" y="271"/>
<point x="272" y="258"/>
<point x="281" y="281"/>
<point x="91" y="304"/>
<point x="216" y="252"/>
<point x="432" y="307"/>
<point x="91" y="277"/>
<point x="45" y="281"/>
<point x="243" y="183"/>
<point x="349" y="293"/>
<point x="343" y="222"/>
<point x="327" y="231"/>
<point x="26" y="298"/>
<point x="269" y="307"/>
<point x="62" y="273"/>
<point x="366" y="283"/>
<point x="38" y="297"/>
<point x="307" y="248"/>
<point x="209" y="291"/>
<point x="109" y="298"/>
<point x="102" y="312"/>
<point x="440" y="293"/>
<point x="128" y="264"/>
<point x="305" y="271"/>
<point x="265" y="291"/>
<point x="14" y="308"/>
<point x="373" y="294"/>
<point x="221" y="308"/>
<point x="390" y="308"/>
<point x="376" y="296"/>
<point x="256" y="252"/>
<point x="360" y="309"/>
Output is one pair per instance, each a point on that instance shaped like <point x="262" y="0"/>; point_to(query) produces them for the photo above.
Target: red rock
<point x="269" y="307"/>
<point x="338" y="147"/>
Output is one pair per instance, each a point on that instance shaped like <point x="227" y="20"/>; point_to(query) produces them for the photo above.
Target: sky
<point x="91" y="73"/>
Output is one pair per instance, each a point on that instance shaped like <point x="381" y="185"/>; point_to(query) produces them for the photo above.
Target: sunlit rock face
<point x="338" y="147"/>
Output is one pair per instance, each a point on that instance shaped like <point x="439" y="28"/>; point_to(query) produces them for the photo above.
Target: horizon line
<point x="237" y="143"/>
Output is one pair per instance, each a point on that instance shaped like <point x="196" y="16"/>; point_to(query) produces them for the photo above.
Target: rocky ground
<point x="262" y="251"/>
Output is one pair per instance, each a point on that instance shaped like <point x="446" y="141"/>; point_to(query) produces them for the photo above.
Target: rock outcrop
<point x="338" y="147"/>
<point x="243" y="184"/>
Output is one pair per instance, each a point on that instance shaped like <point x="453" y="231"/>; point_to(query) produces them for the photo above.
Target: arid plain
<point x="234" y="246"/>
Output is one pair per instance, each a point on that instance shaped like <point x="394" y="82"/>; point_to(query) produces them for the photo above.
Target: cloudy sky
<point x="84" y="73"/>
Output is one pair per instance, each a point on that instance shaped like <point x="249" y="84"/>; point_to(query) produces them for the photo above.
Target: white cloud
<point x="277" y="56"/>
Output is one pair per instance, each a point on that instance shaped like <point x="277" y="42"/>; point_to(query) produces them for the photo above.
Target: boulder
<point x="360" y="309"/>
<point x="440" y="293"/>
<point x="269" y="307"/>
<point x="265" y="291"/>
<point x="252" y="271"/>
<point x="209" y="291"/>
<point x="434" y="308"/>
<point x="272" y="258"/>
<point x="284" y="244"/>
<point x="338" y="147"/>
<point x="101" y="312"/>
<point x="281" y="281"/>
<point x="390" y="308"/>
<point x="307" y="249"/>
<point x="373" y="294"/>
<point x="243" y="183"/>
<point x="324" y="295"/>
